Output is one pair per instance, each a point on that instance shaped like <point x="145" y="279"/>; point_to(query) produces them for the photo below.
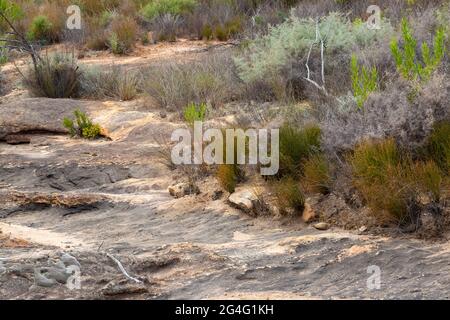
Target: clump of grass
<point x="289" y="195"/>
<point x="55" y="76"/>
<point x="227" y="176"/>
<point x="116" y="83"/>
<point x="195" y="112"/>
<point x="316" y="174"/>
<point x="429" y="178"/>
<point x="296" y="146"/>
<point x="82" y="126"/>
<point x="175" y="85"/>
<point x="438" y="146"/>
<point x="380" y="174"/>
<point x="390" y="181"/>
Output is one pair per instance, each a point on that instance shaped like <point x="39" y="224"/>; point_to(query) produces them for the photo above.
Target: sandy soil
<point x="93" y="198"/>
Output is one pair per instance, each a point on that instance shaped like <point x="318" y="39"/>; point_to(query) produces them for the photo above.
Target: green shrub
<point x="438" y="146"/>
<point x="175" y="7"/>
<point x="194" y="112"/>
<point x="227" y="177"/>
<point x="363" y="81"/>
<point x="123" y="35"/>
<point x="82" y="126"/>
<point x="55" y="76"/>
<point x="316" y="174"/>
<point x="391" y="182"/>
<point x="296" y="146"/>
<point x="407" y="59"/>
<point x="289" y="195"/>
<point x="291" y="41"/>
<point x="40" y="29"/>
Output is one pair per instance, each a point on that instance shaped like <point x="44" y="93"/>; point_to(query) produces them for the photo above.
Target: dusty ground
<point x="92" y="198"/>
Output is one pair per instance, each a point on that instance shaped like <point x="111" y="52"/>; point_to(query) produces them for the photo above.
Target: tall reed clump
<point x="391" y="182"/>
<point x="55" y="76"/>
<point x="296" y="146"/>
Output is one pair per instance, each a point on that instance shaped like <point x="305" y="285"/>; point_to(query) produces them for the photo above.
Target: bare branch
<point x="122" y="269"/>
<point x="318" y="40"/>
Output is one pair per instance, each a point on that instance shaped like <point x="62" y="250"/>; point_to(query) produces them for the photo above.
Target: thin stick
<point x="125" y="273"/>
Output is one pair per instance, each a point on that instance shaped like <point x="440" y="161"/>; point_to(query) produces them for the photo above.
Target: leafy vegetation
<point x="82" y="126"/>
<point x="194" y="112"/>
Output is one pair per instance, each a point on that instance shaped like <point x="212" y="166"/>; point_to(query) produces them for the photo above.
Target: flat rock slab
<point x="39" y="114"/>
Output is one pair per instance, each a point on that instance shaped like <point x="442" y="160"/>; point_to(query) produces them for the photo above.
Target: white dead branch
<point x="122" y="269"/>
<point x="318" y="40"/>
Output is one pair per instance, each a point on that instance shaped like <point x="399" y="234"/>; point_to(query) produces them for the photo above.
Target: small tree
<point x="364" y="81"/>
<point x="407" y="59"/>
<point x="10" y="12"/>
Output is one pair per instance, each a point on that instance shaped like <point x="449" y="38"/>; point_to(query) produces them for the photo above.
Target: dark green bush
<point x="296" y="145"/>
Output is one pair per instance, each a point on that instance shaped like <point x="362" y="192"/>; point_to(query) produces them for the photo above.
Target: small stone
<point x="182" y="189"/>
<point x="362" y="229"/>
<point x="322" y="226"/>
<point x="43" y="281"/>
<point x="69" y="260"/>
<point x="244" y="200"/>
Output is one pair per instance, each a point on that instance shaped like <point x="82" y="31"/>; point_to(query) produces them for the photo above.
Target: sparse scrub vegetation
<point x="115" y="83"/>
<point x="175" y="85"/>
<point x="378" y="99"/>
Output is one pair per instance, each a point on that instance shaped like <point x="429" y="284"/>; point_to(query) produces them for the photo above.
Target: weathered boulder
<point x="245" y="200"/>
<point x="322" y="226"/>
<point x="182" y="189"/>
<point x="38" y="114"/>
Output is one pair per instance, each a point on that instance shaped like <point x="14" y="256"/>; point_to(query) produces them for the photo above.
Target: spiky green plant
<point x="195" y="112"/>
<point x="412" y="66"/>
<point x="364" y="81"/>
<point x="82" y="126"/>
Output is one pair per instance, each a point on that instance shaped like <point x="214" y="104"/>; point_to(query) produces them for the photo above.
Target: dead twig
<point x="318" y="40"/>
<point x="122" y="269"/>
